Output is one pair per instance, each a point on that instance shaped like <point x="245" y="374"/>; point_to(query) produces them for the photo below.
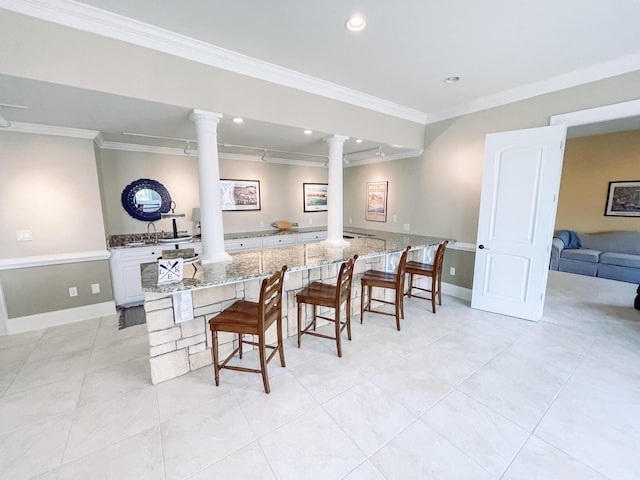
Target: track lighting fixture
<point x="187" y="148"/>
<point x="264" y="156"/>
<point x="4" y="123"/>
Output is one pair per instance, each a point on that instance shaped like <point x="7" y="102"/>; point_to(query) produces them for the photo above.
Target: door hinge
<point x="561" y="144"/>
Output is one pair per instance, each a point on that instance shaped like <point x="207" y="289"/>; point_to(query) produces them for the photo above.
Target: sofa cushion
<point x="616" y="272"/>
<point x="582" y="254"/>
<point x="618" y="242"/>
<point x="576" y="266"/>
<point x="623" y="259"/>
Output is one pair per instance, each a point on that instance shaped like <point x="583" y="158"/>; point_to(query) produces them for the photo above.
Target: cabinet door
<point x="132" y="282"/>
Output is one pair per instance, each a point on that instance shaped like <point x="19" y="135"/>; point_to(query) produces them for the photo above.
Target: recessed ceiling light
<point x="356" y="23"/>
<point x="359" y="140"/>
<point x="308" y="132"/>
<point x="452" y="79"/>
<point x="237" y="120"/>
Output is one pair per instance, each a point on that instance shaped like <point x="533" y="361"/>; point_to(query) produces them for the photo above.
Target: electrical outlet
<point x="261" y="224"/>
<point x="406" y="227"/>
<point x="395" y="218"/>
<point x="350" y="221"/>
<point x="73" y="291"/>
<point x="452" y="271"/>
<point x="95" y="288"/>
<point x="310" y="221"/>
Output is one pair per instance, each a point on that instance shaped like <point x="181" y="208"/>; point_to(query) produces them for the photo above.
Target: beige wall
<point x="590" y="163"/>
<point x="49" y="185"/>
<point x="280" y="190"/>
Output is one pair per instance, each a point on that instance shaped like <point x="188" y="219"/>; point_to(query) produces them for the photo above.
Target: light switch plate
<point x="24" y="235"/>
<point x="95" y="288"/>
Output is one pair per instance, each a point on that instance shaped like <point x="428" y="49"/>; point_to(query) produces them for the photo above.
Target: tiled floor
<point x="462" y="394"/>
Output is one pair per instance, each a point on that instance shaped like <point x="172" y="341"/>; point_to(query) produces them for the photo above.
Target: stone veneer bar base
<point x="178" y="348"/>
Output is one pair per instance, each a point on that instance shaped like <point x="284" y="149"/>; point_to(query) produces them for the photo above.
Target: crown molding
<point x="51" y="130"/>
<point x="132" y="147"/>
<point x="93" y="20"/>
<point x="593" y="73"/>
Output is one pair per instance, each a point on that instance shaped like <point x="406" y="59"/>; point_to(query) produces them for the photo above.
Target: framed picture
<point x="623" y="199"/>
<point x="240" y="195"/>
<point x="376" y="201"/>
<point x="315" y="197"/>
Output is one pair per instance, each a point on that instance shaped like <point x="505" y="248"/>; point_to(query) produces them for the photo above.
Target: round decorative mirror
<point x="146" y="199"/>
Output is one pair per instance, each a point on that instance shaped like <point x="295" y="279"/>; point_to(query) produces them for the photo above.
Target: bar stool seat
<point x="389" y="280"/>
<point x="321" y="294"/>
<point x="431" y="270"/>
<point x="252" y="318"/>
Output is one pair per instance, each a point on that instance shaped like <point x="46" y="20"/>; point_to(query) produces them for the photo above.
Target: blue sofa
<point x="613" y="255"/>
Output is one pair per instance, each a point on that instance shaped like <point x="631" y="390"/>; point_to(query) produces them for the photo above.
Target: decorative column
<point x="211" y="226"/>
<point x="334" y="192"/>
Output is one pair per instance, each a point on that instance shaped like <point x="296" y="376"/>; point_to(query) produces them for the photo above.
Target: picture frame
<point x="239" y="195"/>
<point x="314" y="197"/>
<point x="376" y="203"/>
<point x="623" y="199"/>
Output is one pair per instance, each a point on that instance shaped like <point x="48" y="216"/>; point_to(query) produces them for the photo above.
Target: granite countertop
<point x="260" y="263"/>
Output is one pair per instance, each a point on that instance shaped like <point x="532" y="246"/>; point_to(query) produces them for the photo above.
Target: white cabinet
<point x="310" y="237"/>
<point x="238" y="244"/>
<point x="278" y="240"/>
<point x="125" y="269"/>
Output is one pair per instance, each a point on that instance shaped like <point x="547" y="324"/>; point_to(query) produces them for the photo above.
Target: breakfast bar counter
<point x="177" y="313"/>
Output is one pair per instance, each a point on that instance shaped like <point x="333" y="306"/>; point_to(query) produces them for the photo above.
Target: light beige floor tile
<point x="55" y="346"/>
<point x="369" y="416"/>
<point x="608" y="445"/>
<point x="111" y="382"/>
<point x="366" y="471"/>
<point x="35" y="449"/>
<point x="419" y="452"/>
<point x="486" y="437"/>
<point x="313" y="447"/>
<point x="18" y="339"/>
<point x="518" y="388"/>
<point x="6" y="379"/>
<point x="540" y="461"/>
<point x="13" y="358"/>
<point x="181" y="394"/>
<point x="71" y="328"/>
<point x="108" y="333"/>
<point x="100" y="424"/>
<point x="415" y="387"/>
<point x="51" y="475"/>
<point x="326" y="379"/>
<point x="138" y="457"/>
<point x="38" y="404"/>
<point x="109" y="354"/>
<point x="202" y="436"/>
<point x="35" y="374"/>
<point x="286" y="402"/>
<point x="248" y="463"/>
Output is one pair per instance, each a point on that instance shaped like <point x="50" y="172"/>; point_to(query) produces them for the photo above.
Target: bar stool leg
<point x="216" y="371"/>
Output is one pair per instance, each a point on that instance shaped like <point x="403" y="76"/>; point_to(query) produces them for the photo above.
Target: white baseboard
<point x="456" y="291"/>
<point x="59" y="317"/>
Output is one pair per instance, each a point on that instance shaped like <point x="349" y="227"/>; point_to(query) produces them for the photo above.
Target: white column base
<point x="340" y="242"/>
<point x="217" y="258"/>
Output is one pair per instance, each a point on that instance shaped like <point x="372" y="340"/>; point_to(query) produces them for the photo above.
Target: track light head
<point x="187" y="148"/>
<point x="4" y="123"/>
<point x="264" y="156"/>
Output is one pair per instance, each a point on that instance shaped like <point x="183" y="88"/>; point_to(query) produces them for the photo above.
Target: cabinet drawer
<point x="145" y="254"/>
<point x="309" y="237"/>
<point x="242" y="244"/>
<point x="277" y="240"/>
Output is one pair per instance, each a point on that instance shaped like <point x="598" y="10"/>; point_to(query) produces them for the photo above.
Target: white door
<point x="518" y="205"/>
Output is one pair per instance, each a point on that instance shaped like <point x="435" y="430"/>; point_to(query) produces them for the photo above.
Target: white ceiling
<point x="503" y="50"/>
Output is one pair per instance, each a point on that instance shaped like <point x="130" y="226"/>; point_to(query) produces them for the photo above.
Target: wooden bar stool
<point x="394" y="281"/>
<point x="332" y="296"/>
<point x="251" y="318"/>
<point x="432" y="270"/>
